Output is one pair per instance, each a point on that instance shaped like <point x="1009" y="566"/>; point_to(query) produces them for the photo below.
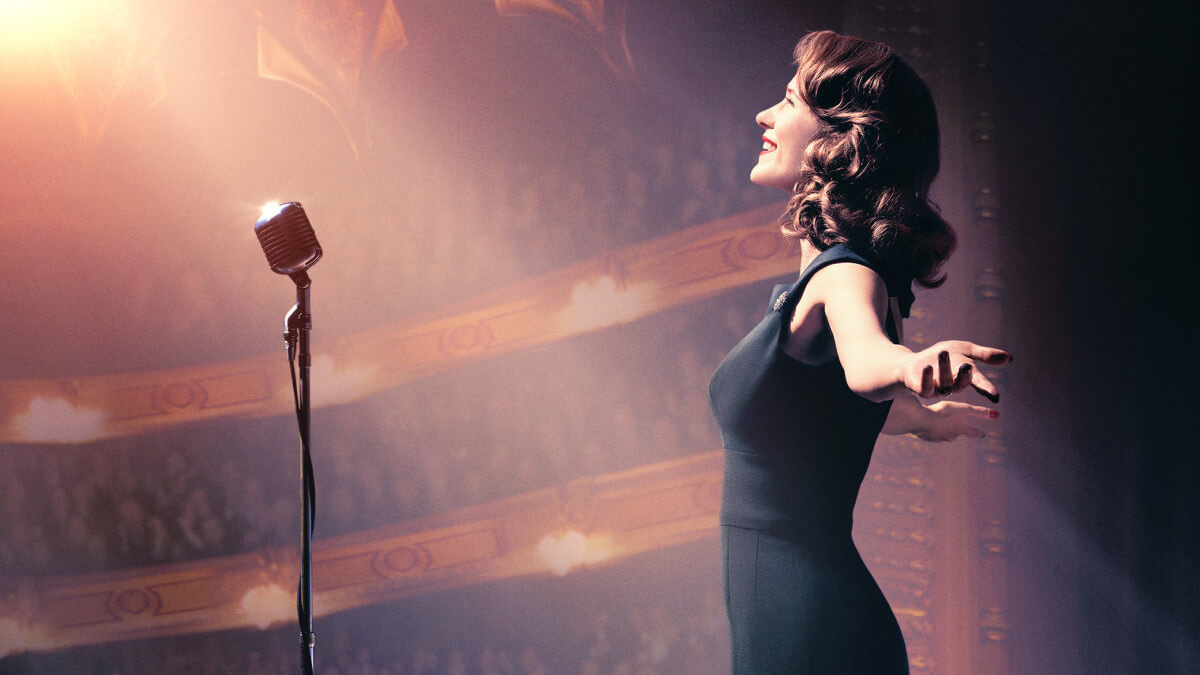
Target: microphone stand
<point x="298" y="323"/>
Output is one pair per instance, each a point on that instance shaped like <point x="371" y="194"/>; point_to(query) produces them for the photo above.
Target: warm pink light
<point x="27" y="25"/>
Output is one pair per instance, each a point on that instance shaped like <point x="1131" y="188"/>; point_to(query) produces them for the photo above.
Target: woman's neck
<point x="808" y="253"/>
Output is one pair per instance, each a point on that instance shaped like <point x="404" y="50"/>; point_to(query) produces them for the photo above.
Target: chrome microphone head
<point x="287" y="238"/>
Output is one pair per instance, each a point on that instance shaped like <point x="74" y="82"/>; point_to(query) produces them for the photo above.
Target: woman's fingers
<point x="945" y="380"/>
<point x="985" y="387"/>
<point x="988" y="355"/>
<point x="967" y="373"/>
<point x="980" y="412"/>
<point x="927" y="386"/>
<point x="953" y="419"/>
<point x="985" y="413"/>
<point x="943" y="377"/>
<point x="950" y="380"/>
<point x="963" y="379"/>
<point x="959" y="409"/>
<point x="971" y="412"/>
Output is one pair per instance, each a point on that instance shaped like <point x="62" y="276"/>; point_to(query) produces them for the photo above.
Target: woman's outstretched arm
<point x="854" y="300"/>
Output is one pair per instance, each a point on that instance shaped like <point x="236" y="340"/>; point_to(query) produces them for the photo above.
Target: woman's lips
<point x="768" y="146"/>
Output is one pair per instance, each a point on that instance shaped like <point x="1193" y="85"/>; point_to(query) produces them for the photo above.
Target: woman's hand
<point x="941" y="421"/>
<point x="947" y="420"/>
<point x="949" y="366"/>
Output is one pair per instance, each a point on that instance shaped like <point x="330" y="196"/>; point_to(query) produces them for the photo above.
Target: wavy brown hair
<point x="866" y="174"/>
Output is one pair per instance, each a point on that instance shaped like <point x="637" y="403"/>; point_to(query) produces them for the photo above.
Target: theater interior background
<point x="539" y="240"/>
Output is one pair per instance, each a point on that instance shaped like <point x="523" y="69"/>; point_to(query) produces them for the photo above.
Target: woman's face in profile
<point x="788" y="126"/>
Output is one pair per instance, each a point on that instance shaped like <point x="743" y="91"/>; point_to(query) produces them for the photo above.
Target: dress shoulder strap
<point x="785" y="303"/>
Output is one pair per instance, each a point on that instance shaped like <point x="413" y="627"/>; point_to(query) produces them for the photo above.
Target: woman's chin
<point x="773" y="182"/>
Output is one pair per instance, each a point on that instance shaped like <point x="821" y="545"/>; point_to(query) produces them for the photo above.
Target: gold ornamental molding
<point x="622" y="286"/>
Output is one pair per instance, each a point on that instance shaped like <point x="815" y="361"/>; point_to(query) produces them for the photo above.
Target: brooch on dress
<point x="780" y="300"/>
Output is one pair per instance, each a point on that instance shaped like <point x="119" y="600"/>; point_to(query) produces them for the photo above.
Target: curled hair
<point x="866" y="174"/>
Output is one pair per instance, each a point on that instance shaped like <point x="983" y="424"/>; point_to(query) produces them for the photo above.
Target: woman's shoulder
<point x="865" y="272"/>
<point x="829" y="264"/>
<point x="846" y="276"/>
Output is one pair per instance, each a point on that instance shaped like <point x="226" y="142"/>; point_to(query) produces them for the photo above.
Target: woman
<point x="802" y="399"/>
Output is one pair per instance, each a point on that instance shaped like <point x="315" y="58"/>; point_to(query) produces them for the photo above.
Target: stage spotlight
<point x="31" y="25"/>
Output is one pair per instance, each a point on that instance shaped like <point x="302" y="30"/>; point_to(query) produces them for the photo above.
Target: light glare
<point x="601" y="302"/>
<point x="266" y="605"/>
<point x="339" y="383"/>
<point x="56" y="420"/>
<point x="572" y="549"/>
<point x="270" y="210"/>
<point x="32" y="24"/>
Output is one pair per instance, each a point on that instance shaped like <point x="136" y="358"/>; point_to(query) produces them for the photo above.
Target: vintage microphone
<point x="291" y="247"/>
<point x="287" y="238"/>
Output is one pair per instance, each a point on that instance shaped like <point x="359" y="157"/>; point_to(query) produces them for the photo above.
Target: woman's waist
<point x="788" y="496"/>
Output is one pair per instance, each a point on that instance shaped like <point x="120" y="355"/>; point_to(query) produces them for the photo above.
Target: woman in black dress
<point x="802" y="399"/>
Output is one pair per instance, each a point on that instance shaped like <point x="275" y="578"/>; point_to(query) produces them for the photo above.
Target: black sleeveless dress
<point x="797" y="443"/>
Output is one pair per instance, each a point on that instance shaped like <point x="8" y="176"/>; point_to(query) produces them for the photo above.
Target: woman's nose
<point x="764" y="119"/>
